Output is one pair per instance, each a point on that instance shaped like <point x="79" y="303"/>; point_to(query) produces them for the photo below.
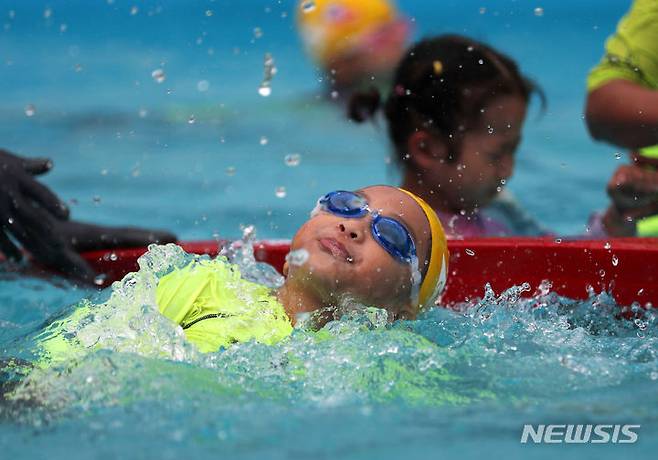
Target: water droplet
<point x="470" y="252"/>
<point x="334" y="94"/>
<point x="77" y="68"/>
<point x="63" y="28"/>
<point x="617" y="156"/>
<point x="96" y="199"/>
<point x="558" y="240"/>
<point x="292" y="159"/>
<point x="280" y="192"/>
<point x="499" y="189"/>
<point x="30" y="110"/>
<point x="202" y="86"/>
<point x="12" y="14"/>
<point x="134" y="10"/>
<point x="47" y="13"/>
<point x="615" y="260"/>
<point x="653" y="375"/>
<point x="104" y="172"/>
<point x="480" y="61"/>
<point x="114" y="257"/>
<point x="158" y="75"/>
<point x="607" y="245"/>
<point x="602" y="273"/>
<point x="308" y="6"/>
<point x="230" y="171"/>
<point x="297" y="257"/>
<point x="258" y="32"/>
<point x="483" y="10"/>
<point x="490" y="129"/>
<point x="503" y="182"/>
<point x="209" y="13"/>
<point x="100" y="279"/>
<point x="269" y="70"/>
<point x="10" y="220"/>
<point x="263" y="140"/>
<point x="640" y="291"/>
<point x="539" y="11"/>
<point x="191" y="120"/>
<point x="143" y="113"/>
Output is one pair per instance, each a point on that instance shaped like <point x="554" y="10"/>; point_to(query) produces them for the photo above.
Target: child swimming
<point x="455" y="117"/>
<point x="379" y="246"/>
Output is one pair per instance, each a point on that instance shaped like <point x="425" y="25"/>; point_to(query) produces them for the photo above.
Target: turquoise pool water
<point x="87" y="69"/>
<point x="447" y="385"/>
<point x="452" y="383"/>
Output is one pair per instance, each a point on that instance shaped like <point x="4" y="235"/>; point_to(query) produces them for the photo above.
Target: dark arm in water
<point x="34" y="218"/>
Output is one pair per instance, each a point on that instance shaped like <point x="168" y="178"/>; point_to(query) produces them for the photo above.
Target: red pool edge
<point x="625" y="267"/>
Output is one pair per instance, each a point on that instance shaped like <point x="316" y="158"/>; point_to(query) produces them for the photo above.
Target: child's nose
<point x="352" y="230"/>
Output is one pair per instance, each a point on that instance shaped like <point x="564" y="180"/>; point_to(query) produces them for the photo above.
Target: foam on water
<point x="501" y="350"/>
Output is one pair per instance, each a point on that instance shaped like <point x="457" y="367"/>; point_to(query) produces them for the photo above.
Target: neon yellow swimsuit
<point x="216" y="307"/>
<point x="208" y="299"/>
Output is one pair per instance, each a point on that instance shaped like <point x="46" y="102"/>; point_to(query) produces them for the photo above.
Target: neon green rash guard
<point x="631" y="53"/>
<point x="216" y="307"/>
<point x="208" y="299"/>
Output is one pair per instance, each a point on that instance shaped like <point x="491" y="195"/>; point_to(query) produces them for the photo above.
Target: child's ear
<point x="426" y="150"/>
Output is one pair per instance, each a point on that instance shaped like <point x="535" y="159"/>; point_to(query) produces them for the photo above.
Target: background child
<point x="455" y="116"/>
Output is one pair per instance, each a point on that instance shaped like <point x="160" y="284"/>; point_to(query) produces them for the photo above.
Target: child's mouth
<point x="336" y="249"/>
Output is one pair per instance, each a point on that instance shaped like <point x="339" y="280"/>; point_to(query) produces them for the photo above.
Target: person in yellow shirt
<point x="622" y="109"/>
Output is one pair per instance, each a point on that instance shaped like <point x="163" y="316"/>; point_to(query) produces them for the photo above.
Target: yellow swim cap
<point x="437" y="269"/>
<point x="330" y="28"/>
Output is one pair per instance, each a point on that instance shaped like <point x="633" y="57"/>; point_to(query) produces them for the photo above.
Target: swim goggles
<point x="388" y="232"/>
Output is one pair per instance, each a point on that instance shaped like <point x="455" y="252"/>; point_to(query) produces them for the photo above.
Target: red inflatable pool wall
<point x="626" y="267"/>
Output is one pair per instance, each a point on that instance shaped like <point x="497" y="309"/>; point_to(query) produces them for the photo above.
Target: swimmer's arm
<point x="623" y="113"/>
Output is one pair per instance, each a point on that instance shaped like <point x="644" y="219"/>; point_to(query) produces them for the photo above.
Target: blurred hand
<point x="39" y="221"/>
<point x="634" y="194"/>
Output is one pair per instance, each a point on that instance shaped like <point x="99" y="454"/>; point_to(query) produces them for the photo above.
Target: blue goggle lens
<point x="343" y="203"/>
<point x="388" y="232"/>
<point x="394" y="237"/>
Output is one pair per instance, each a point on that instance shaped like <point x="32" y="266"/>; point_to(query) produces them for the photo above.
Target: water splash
<point x="158" y="75"/>
<point x="292" y="160"/>
<point x="30" y="110"/>
<point x="269" y="71"/>
<point x="297" y="257"/>
<point x="280" y="192"/>
<point x="503" y="351"/>
<point x="241" y="253"/>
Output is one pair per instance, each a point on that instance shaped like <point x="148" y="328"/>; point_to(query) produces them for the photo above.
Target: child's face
<point x="344" y="258"/>
<point x="487" y="155"/>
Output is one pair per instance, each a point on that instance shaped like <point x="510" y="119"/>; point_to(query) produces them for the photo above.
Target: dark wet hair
<point x="441" y="85"/>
